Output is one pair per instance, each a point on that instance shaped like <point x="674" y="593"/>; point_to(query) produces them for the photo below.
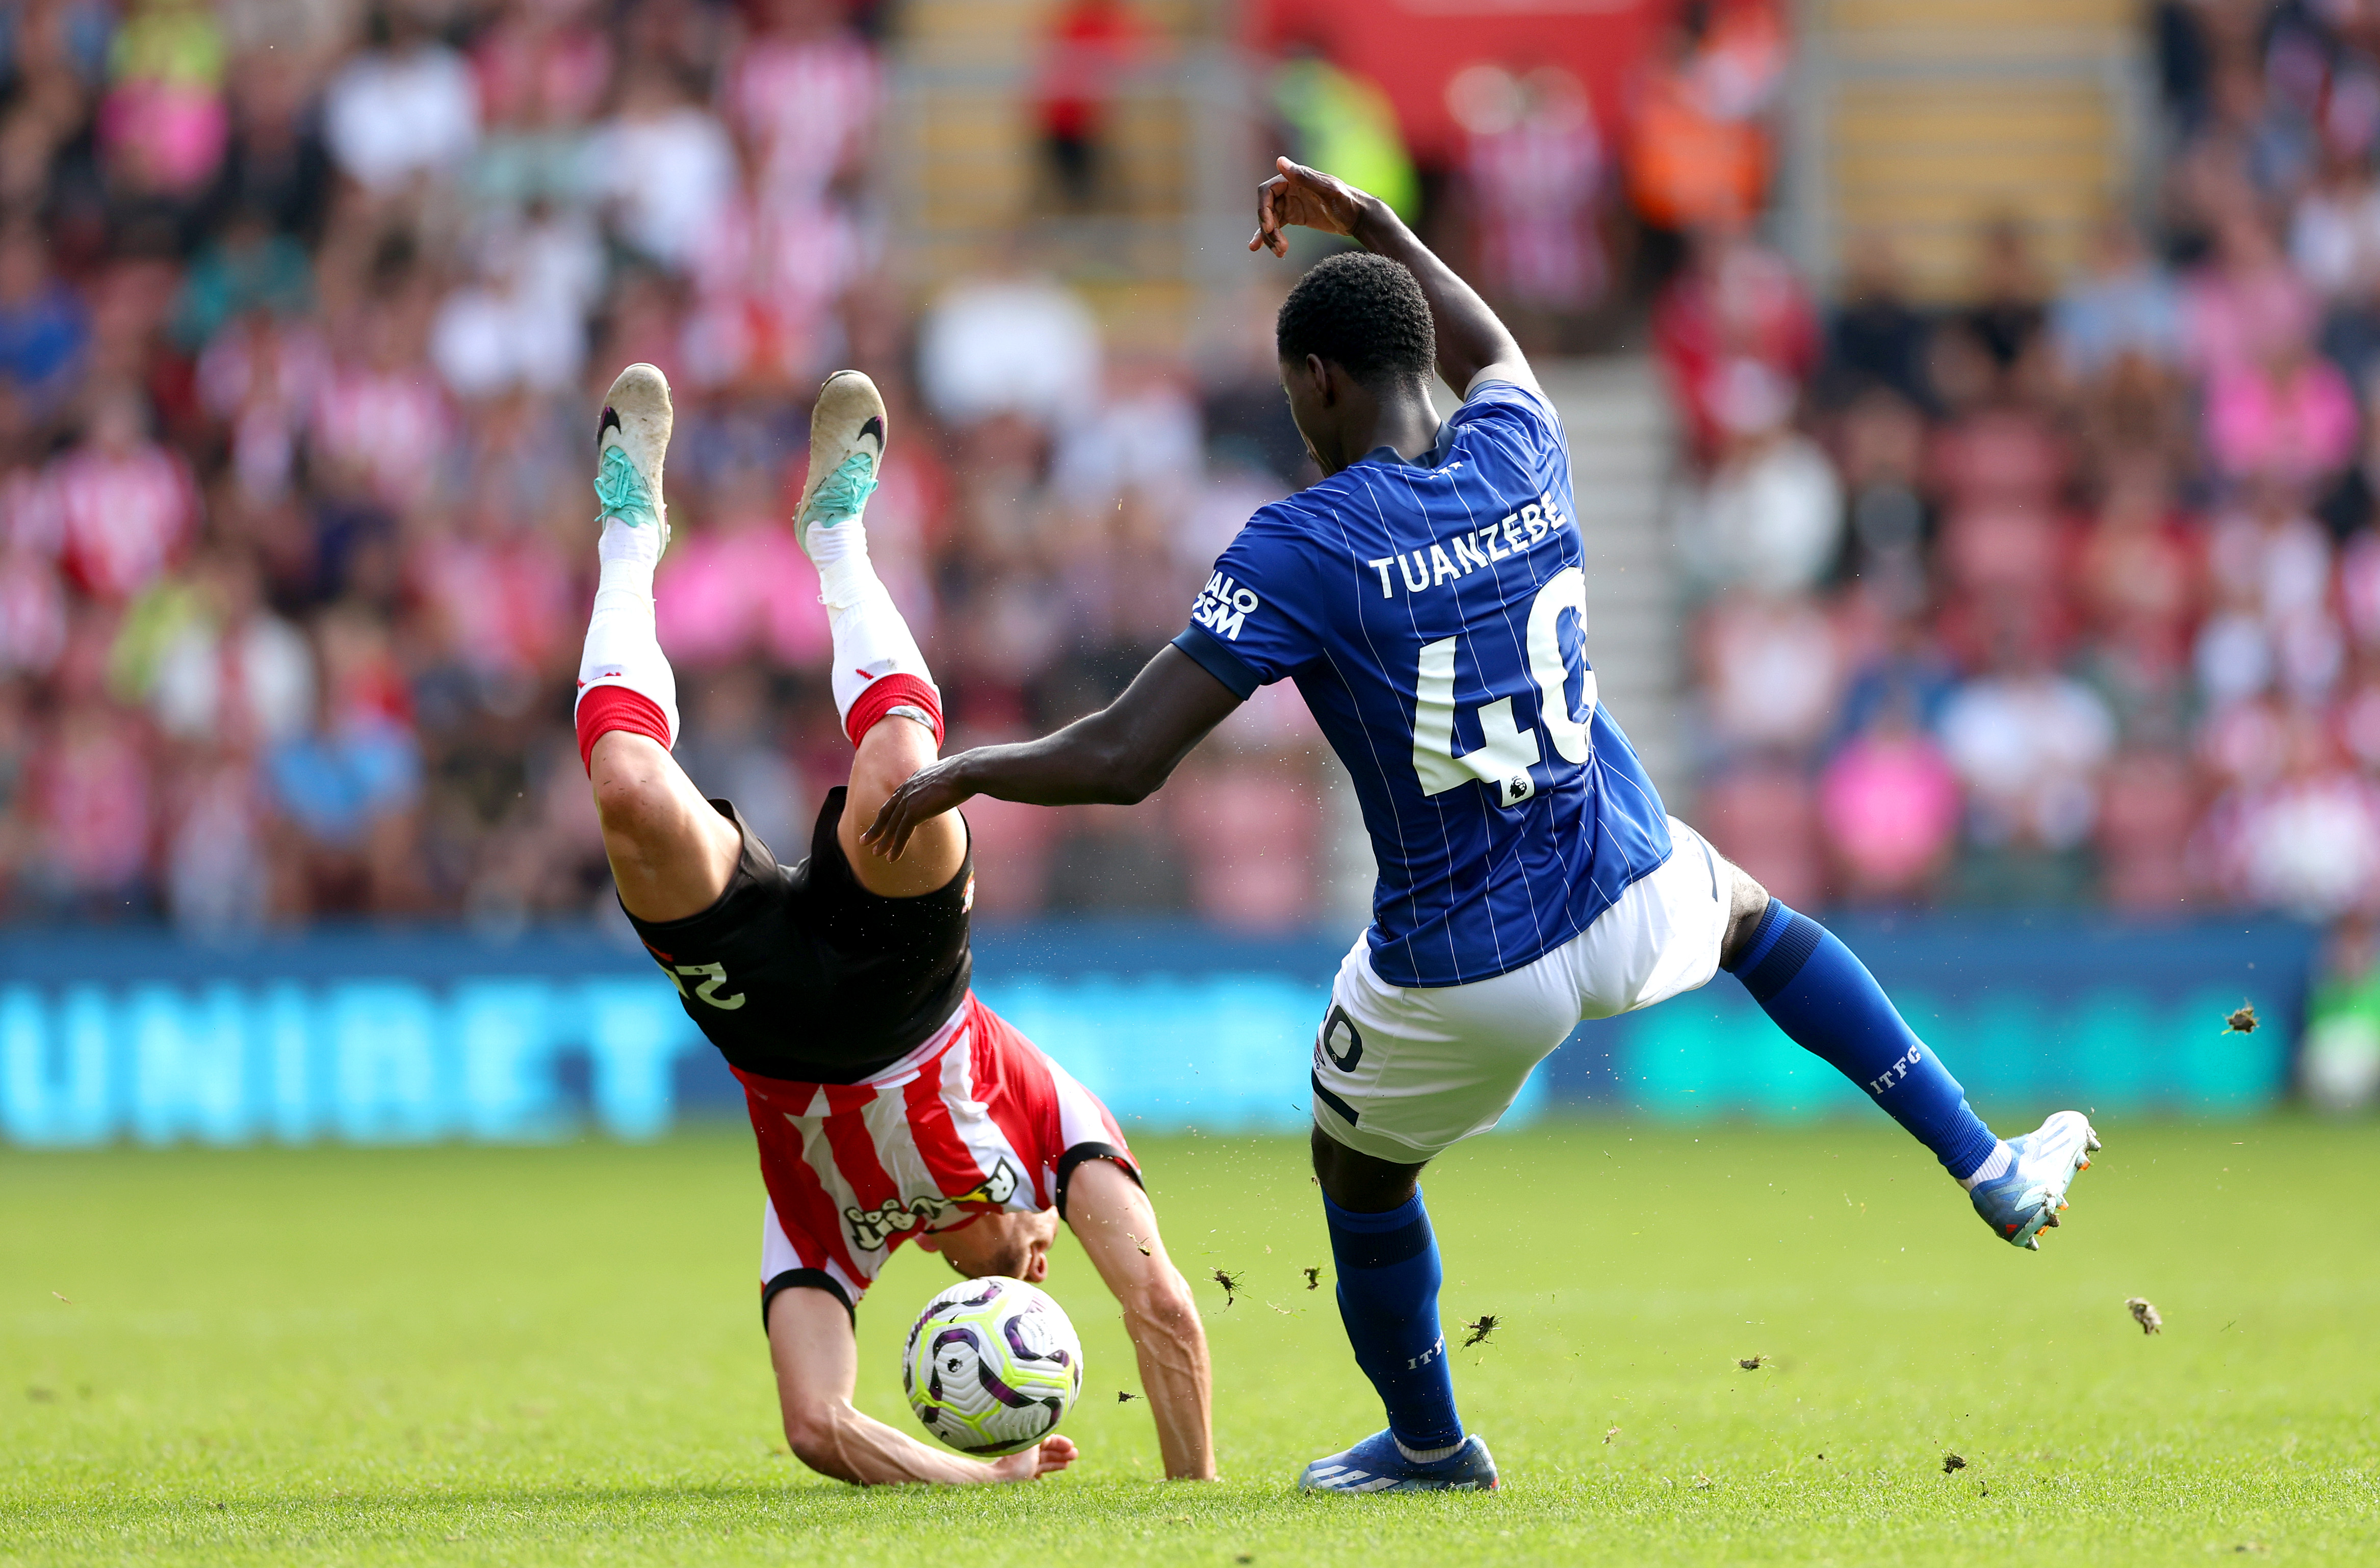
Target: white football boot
<point x="847" y="452"/>
<point x="2024" y="1199"/>
<point x="629" y="445"/>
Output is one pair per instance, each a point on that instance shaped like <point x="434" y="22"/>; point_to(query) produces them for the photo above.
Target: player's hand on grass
<point x="926" y="794"/>
<point x="1053" y="1455"/>
<point x="1302" y="198"/>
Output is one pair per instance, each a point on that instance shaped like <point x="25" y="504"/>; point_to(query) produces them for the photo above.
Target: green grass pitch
<point x="553" y="1354"/>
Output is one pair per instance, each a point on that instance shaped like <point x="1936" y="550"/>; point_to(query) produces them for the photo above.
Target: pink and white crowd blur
<point x="2073" y="594"/>
<point x="305" y="307"/>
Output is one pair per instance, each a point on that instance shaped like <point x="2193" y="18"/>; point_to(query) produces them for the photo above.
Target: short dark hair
<point x="1363" y="312"/>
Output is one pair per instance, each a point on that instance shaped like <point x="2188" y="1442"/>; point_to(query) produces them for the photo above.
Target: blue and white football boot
<point x="1377" y="1465"/>
<point x="2024" y="1199"/>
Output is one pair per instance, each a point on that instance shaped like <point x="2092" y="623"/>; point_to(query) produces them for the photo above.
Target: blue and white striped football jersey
<point x="1434" y="616"/>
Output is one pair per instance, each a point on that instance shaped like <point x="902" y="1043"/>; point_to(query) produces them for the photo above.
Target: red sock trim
<point x="886" y="693"/>
<point x="608" y="708"/>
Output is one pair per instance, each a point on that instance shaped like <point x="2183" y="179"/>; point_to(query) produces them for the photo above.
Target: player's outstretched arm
<point x="1117" y="755"/>
<point x="817" y="1358"/>
<point x="1111" y="1217"/>
<point x="1473" y="344"/>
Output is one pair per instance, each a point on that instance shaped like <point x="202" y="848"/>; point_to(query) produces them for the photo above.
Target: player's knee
<point x="887" y="754"/>
<point x="628" y="802"/>
<point x="1357" y="1181"/>
<point x="1750" y="897"/>
<point x="1748" y="904"/>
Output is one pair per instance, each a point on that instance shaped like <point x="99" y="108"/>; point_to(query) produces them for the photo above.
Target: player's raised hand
<point x="1302" y="198"/>
<point x="1053" y="1455"/>
<point x="925" y="795"/>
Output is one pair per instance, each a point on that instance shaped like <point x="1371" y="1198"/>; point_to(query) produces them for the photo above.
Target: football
<point x="992" y="1366"/>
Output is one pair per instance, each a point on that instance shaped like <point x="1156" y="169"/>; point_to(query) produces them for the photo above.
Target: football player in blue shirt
<point x="1426" y="598"/>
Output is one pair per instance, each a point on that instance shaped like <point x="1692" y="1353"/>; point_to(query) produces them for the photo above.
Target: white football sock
<point x="1428" y="1455"/>
<point x="871" y="640"/>
<point x="1996" y="1164"/>
<point x="622" y="649"/>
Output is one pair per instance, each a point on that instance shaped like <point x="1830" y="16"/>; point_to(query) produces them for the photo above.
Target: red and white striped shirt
<point x="120" y="519"/>
<point x="976" y="1120"/>
<point x="807" y="105"/>
<point x="392" y="424"/>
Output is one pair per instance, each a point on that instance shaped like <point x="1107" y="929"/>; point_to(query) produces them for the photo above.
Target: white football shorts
<point x="1402" y="1072"/>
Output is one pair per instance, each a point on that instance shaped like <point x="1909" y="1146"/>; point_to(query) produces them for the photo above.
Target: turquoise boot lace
<point x="844" y="492"/>
<point x="622" y="491"/>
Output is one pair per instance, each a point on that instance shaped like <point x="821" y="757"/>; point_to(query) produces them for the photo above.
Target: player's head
<point x="1355" y="321"/>
<point x="1003" y="1243"/>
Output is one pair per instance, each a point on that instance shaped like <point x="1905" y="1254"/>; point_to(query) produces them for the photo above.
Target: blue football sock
<point x="1820" y="993"/>
<point x="1388" y="1297"/>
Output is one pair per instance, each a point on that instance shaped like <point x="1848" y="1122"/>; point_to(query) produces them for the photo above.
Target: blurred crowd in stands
<point x="2070" y="594"/>
<point x="305" y="308"/>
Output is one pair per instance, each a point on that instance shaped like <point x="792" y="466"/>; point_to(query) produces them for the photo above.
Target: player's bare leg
<point x="879" y="676"/>
<point x="887" y="754"/>
<point x="817" y="1361"/>
<point x="671" y="854"/>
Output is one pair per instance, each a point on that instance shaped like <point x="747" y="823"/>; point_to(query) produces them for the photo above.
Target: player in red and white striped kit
<point x="890" y="1105"/>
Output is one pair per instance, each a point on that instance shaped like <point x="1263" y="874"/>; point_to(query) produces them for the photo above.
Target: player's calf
<point x="1388" y="1277"/>
<point x="1821" y="995"/>
<point x="671" y="854"/>
<point x="890" y="706"/>
<point x="889" y="751"/>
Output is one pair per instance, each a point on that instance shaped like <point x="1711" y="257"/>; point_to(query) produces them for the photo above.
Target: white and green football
<point x="992" y="1366"/>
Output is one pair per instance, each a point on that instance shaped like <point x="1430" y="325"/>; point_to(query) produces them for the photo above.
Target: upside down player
<point x="890" y="1104"/>
<point x="1427" y="597"/>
